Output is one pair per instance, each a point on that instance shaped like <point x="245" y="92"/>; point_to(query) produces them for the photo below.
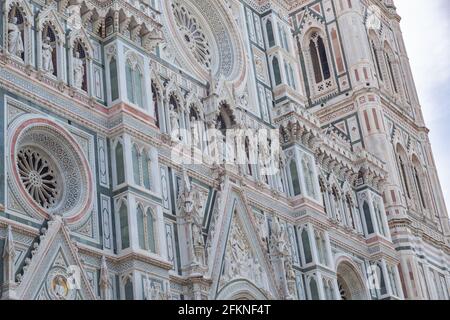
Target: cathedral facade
<point x="226" y="149"/>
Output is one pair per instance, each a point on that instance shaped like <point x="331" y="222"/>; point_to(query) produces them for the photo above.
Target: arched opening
<point x="175" y="118"/>
<point x="276" y="71"/>
<point x="196" y="126"/>
<point x="16" y="32"/>
<point x="270" y="35"/>
<point x="80" y="72"/>
<point x="134" y="80"/>
<point x="403" y="168"/>
<point x="49" y="51"/>
<point x="241" y="290"/>
<point x="350" y="282"/>
<point x="319" y="58"/>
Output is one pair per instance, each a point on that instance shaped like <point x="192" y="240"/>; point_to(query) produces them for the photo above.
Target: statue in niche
<point x="191" y="206"/>
<point x="15" y="42"/>
<point x="174" y="123"/>
<point x="47" y="55"/>
<point x="78" y="71"/>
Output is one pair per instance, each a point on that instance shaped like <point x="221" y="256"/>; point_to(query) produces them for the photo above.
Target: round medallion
<point x="59" y="287"/>
<point x="59" y="284"/>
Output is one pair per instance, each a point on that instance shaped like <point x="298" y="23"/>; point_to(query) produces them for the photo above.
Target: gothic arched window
<point x="391" y="72"/>
<point x="150" y="226"/>
<point x="146" y="230"/>
<point x="419" y="188"/>
<point x="383" y="288"/>
<point x="276" y="71"/>
<point x="403" y="175"/>
<point x="319" y="58"/>
<point x="270" y="34"/>
<point x="114" y="79"/>
<point x="368" y="218"/>
<point x="379" y="218"/>
<point x="377" y="61"/>
<point x="306" y="247"/>
<point x="134" y="80"/>
<point x="314" y="289"/>
<point x="128" y="288"/>
<point x="124" y="230"/>
<point x="141" y="227"/>
<point x="120" y="165"/>
<point x="295" y="178"/>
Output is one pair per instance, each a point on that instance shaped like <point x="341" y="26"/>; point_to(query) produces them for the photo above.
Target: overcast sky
<point x="426" y="29"/>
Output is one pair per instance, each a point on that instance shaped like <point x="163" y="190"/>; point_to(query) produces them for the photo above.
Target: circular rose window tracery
<point x="204" y="38"/>
<point x="193" y="35"/>
<point x="49" y="172"/>
<point x="38" y="176"/>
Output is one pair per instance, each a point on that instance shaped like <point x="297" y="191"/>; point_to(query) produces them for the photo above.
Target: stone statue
<point x="78" y="71"/>
<point x="47" y="55"/>
<point x="174" y="123"/>
<point x="190" y="203"/>
<point x="278" y="245"/>
<point x="264" y="157"/>
<point x="15" y="42"/>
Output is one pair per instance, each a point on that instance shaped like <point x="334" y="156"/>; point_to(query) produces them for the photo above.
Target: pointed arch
<point x="402" y="161"/>
<point x="119" y="159"/>
<point x="352" y="285"/>
<point x="80" y="36"/>
<point x="50" y="16"/>
<point x="19" y="25"/>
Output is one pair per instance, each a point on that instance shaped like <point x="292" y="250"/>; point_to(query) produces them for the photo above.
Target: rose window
<point x="193" y="35"/>
<point x="38" y="177"/>
<point x="51" y="174"/>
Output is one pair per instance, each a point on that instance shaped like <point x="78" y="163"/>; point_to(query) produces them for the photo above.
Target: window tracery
<point x="193" y="35"/>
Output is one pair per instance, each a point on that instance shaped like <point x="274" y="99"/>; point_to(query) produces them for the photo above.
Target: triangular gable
<point x="83" y="36"/>
<point x="55" y="271"/>
<point x="311" y="19"/>
<point x="239" y="252"/>
<point x="49" y="15"/>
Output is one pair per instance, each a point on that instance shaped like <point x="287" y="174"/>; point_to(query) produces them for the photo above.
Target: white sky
<point x="426" y="29"/>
